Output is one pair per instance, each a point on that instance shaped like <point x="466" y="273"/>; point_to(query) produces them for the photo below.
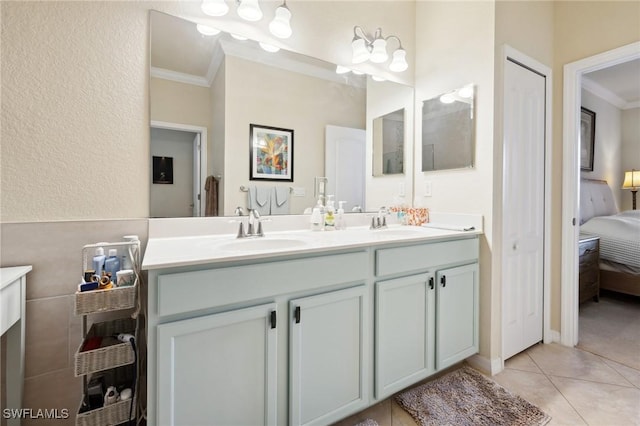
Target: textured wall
<point x="74" y="111"/>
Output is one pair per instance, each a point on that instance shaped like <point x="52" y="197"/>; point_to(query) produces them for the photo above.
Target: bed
<point x="619" y="234"/>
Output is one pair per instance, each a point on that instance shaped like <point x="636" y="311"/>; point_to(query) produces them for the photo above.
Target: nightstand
<point x="589" y="251"/>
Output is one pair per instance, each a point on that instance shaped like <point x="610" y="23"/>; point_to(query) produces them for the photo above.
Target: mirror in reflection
<point x="388" y="144"/>
<point x="448" y="130"/>
<point x="216" y="86"/>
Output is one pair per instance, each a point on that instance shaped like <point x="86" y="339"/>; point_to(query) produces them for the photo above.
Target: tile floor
<point x="573" y="386"/>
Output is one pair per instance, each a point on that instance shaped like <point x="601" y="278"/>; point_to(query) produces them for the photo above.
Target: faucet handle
<point x="241" y="233"/>
<point x="373" y="223"/>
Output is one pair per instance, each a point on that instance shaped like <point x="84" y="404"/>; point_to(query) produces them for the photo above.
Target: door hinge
<point x="273" y="319"/>
<point x="296" y="314"/>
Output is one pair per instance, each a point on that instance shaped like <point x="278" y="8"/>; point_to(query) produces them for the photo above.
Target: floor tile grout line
<point x="559" y="391"/>
<point x="613" y="368"/>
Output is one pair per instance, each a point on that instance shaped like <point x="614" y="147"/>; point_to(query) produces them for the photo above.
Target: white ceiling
<point x="619" y="84"/>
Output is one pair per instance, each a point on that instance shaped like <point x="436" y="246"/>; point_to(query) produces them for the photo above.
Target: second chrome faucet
<point x="254" y="226"/>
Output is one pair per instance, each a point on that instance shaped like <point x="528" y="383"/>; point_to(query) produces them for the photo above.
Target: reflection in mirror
<point x="388" y="144"/>
<point x="448" y="130"/>
<point x="223" y="85"/>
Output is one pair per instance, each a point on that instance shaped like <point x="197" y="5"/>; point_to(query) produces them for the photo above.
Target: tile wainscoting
<point x="52" y="329"/>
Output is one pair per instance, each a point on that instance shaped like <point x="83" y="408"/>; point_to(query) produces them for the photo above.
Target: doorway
<point x="525" y="221"/>
<point x="572" y="100"/>
<point x="180" y="152"/>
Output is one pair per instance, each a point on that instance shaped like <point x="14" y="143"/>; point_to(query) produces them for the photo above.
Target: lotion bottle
<point x="98" y="261"/>
<point x="330" y="216"/>
<point x="316" y="217"/>
<point x="112" y="264"/>
<point x="340" y="222"/>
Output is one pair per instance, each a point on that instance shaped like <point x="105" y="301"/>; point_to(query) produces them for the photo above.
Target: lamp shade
<point x="399" y="61"/>
<point x="280" y="26"/>
<point x="214" y="7"/>
<point x="379" y="52"/>
<point x="249" y="10"/>
<point x="631" y="180"/>
<point x="360" y="51"/>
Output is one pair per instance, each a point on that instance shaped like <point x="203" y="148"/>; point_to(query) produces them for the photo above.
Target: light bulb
<point x="207" y="30"/>
<point x="376" y="78"/>
<point x="249" y="10"/>
<point x="214" y="7"/>
<point x="447" y="98"/>
<point x="342" y="70"/>
<point x="399" y="61"/>
<point x="466" y="92"/>
<point x="238" y="37"/>
<point x="281" y="24"/>
<point x="360" y="51"/>
<point x="269" y="47"/>
<point x="379" y="52"/>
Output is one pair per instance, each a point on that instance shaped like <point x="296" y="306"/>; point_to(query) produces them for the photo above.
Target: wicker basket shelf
<point x="104" y="358"/>
<point x="89" y="302"/>
<point x="113" y="414"/>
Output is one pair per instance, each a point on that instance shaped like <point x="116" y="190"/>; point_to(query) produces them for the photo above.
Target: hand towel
<point x="259" y="199"/>
<point x="211" y="202"/>
<point x="280" y="200"/>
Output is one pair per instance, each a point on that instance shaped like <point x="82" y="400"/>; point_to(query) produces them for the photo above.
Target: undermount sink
<point x="262" y="244"/>
<point x="403" y="231"/>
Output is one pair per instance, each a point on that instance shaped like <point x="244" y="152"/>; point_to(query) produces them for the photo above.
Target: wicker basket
<point x="113" y="414"/>
<point x="110" y="356"/>
<point x="88" y="302"/>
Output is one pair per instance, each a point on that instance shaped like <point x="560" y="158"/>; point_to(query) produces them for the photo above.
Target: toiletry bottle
<point x="340" y="222"/>
<point x="330" y="215"/>
<point x="98" y="261"/>
<point x="316" y="217"/>
<point x="112" y="264"/>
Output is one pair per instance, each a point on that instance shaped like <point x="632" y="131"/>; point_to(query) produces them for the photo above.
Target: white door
<point x="523" y="208"/>
<point x="345" y="165"/>
<point x="219" y="369"/>
<point x="197" y="173"/>
<point x="328" y="363"/>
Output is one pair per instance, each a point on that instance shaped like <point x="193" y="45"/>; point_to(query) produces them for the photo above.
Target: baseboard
<point x="552" y="336"/>
<point x="489" y="366"/>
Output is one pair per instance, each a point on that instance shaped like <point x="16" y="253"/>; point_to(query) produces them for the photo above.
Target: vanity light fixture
<point x="342" y="70"/>
<point x="269" y="47"/>
<point x="464" y="94"/>
<point x="239" y="37"/>
<point x="249" y="10"/>
<point x="376" y="78"/>
<point x="374" y="49"/>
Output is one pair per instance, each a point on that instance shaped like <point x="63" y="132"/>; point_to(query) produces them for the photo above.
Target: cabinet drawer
<point x="589" y="276"/>
<point x="420" y="257"/>
<point x="191" y="291"/>
<point x="588" y="247"/>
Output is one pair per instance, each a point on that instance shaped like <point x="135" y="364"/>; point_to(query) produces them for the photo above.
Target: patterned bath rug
<point x="368" y="422"/>
<point x="467" y="398"/>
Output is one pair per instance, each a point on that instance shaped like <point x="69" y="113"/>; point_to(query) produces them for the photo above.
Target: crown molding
<point x="606" y="94"/>
<point x="179" y="77"/>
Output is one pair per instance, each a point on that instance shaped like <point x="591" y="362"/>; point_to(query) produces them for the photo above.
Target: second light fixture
<point x="374" y="49"/>
<point x="249" y="10"/>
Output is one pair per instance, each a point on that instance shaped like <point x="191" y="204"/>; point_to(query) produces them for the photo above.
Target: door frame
<point x="509" y="52"/>
<point x="572" y="99"/>
<point x="202" y="131"/>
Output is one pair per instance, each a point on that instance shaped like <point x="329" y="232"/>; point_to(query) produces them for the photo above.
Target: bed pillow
<point x="596" y="199"/>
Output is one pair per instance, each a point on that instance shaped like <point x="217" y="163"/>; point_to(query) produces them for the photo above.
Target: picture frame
<point x="587" y="138"/>
<point x="163" y="170"/>
<point x="271" y="153"/>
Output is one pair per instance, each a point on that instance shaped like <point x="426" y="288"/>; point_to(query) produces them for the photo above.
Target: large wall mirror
<point x="448" y="130"/>
<point x="388" y="143"/>
<point x="205" y="94"/>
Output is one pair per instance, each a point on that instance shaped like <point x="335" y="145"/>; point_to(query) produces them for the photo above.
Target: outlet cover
<point x="427" y="188"/>
<point x="299" y="192"/>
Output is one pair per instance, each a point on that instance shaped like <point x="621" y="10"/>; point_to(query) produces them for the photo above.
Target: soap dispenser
<point x="340" y="222"/>
<point x="316" y="217"/>
<point x="330" y="215"/>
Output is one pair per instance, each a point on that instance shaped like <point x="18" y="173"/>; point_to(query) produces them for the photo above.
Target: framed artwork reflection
<point x="587" y="138"/>
<point x="271" y="153"/>
<point x="163" y="170"/>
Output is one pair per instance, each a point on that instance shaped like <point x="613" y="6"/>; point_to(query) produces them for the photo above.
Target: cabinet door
<point x="405" y="332"/>
<point x="329" y="356"/>
<point x="457" y="314"/>
<point x="219" y="369"/>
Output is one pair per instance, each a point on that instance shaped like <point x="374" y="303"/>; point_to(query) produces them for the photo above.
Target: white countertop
<point x="197" y="250"/>
<point x="10" y="274"/>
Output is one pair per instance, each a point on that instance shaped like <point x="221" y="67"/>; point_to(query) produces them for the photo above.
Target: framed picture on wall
<point x="587" y="138"/>
<point x="163" y="170"/>
<point x="271" y="153"/>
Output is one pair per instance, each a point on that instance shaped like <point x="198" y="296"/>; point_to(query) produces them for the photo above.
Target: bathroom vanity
<point x="303" y="327"/>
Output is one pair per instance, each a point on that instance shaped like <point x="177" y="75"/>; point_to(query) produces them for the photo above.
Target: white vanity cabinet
<point x="425" y="321"/>
<point x="329" y="356"/>
<point x="220" y="367"/>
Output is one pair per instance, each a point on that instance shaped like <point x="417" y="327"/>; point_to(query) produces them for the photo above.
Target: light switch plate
<point x="299" y="191"/>
<point x="401" y="189"/>
<point x="427" y="188"/>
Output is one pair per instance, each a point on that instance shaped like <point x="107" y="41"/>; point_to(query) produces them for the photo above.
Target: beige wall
<point x="265" y="95"/>
<point x="630" y="149"/>
<point x="217" y="152"/>
<point x="607" y="145"/>
<point x="455" y="41"/>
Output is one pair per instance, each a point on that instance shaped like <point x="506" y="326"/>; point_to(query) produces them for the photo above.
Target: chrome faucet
<point x="239" y="211"/>
<point x="381" y="220"/>
<point x="254" y="226"/>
